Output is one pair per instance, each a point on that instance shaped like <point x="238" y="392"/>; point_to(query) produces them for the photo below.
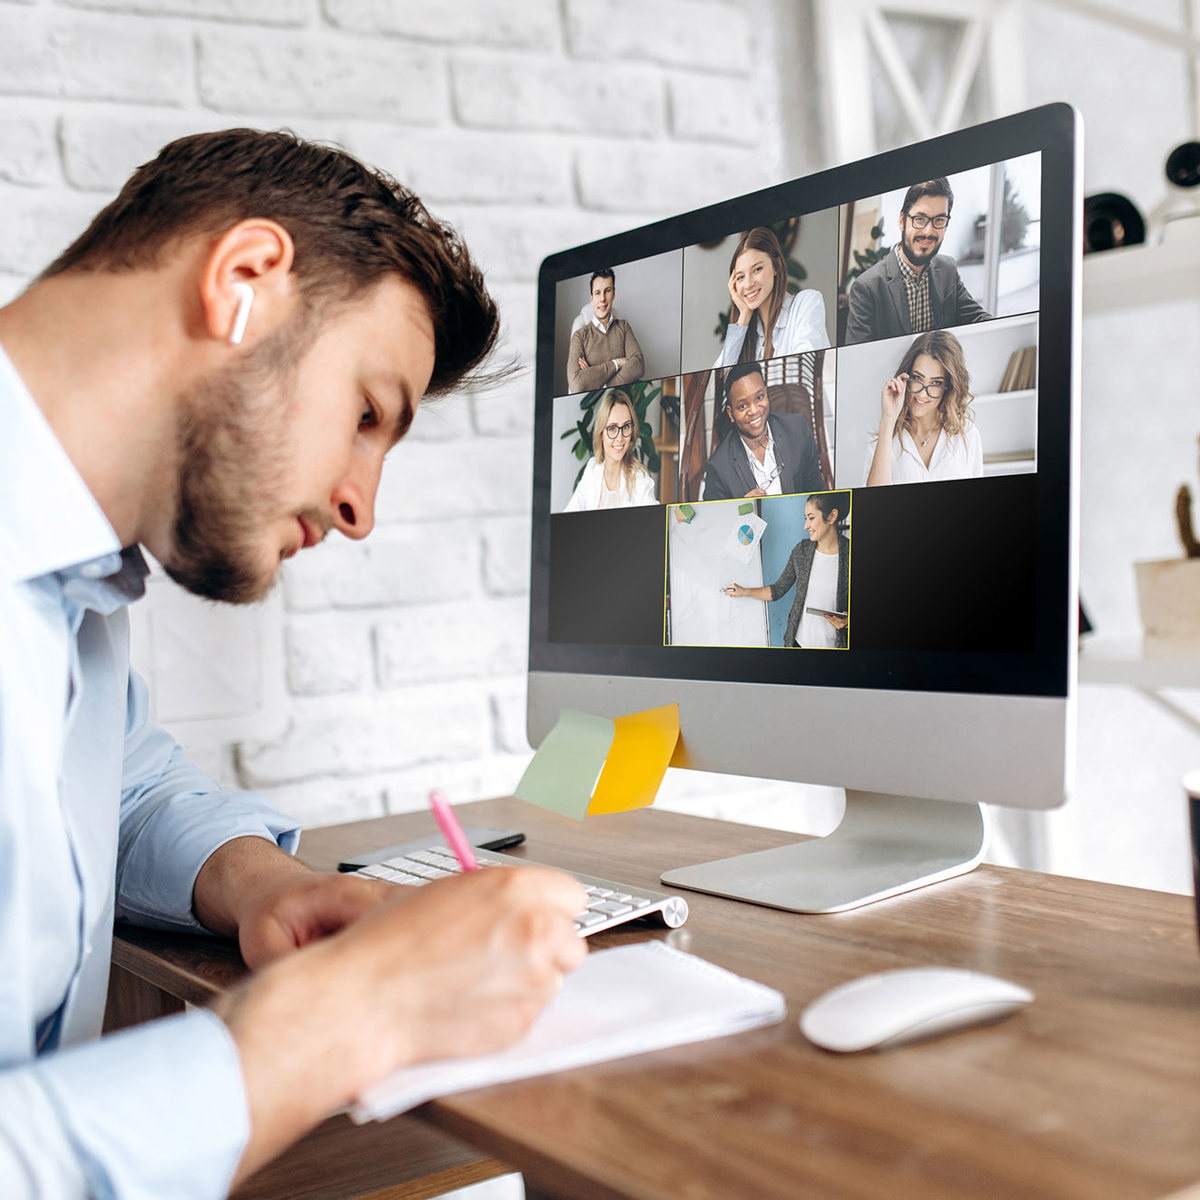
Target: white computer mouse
<point x="891" y="1008"/>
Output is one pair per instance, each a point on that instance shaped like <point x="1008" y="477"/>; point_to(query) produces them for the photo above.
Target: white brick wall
<point x="533" y="125"/>
<point x="529" y="24"/>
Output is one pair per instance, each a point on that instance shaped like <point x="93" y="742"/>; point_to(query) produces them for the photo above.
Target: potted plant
<point x="1169" y="589"/>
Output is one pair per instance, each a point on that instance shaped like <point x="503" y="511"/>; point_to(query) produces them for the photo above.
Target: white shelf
<point x="1131" y="662"/>
<point x="1016" y="394"/>
<point x="1135" y="275"/>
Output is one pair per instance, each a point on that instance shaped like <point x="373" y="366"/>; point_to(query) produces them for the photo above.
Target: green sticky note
<point x="563" y="773"/>
<point x="744" y="510"/>
<point x="688" y="511"/>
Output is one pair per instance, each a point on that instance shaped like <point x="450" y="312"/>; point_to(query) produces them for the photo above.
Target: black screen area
<point x="606" y="577"/>
<point x="945" y="568"/>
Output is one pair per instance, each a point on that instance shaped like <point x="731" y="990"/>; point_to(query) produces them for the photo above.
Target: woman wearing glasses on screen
<point x="926" y="427"/>
<point x="765" y="319"/>
<point x="819" y="569"/>
<point x="613" y="477"/>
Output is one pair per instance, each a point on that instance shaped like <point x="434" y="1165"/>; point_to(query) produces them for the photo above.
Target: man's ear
<point x="257" y="253"/>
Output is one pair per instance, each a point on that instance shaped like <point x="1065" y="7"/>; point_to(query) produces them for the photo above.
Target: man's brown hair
<point x="930" y="187"/>
<point x="351" y="226"/>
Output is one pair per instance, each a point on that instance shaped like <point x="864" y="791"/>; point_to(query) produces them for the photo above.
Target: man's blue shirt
<point x="100" y="818"/>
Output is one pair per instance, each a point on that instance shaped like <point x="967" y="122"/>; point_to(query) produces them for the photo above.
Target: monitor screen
<point x="821" y="437"/>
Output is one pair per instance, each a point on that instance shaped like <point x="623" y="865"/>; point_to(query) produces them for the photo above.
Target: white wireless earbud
<point x="245" y="295"/>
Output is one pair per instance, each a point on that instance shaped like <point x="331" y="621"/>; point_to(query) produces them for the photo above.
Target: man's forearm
<point x="235" y="875"/>
<point x="588" y="379"/>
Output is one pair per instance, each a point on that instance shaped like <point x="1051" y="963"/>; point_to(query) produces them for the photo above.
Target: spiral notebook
<point x="623" y="1001"/>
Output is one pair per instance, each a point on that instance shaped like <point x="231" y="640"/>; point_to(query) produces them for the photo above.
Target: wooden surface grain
<point x="1091" y="1092"/>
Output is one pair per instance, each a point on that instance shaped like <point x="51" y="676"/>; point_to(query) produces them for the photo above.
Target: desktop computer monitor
<point x="804" y="464"/>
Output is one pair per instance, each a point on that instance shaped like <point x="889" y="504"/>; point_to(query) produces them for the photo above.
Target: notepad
<point x="620" y="1002"/>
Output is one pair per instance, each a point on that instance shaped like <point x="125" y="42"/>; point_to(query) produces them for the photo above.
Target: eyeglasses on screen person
<point x="916" y="385"/>
<point x="920" y="220"/>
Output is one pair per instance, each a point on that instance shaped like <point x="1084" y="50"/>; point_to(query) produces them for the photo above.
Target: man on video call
<point x="913" y="289"/>
<point x="604" y="351"/>
<point x="215" y="370"/>
<point x="764" y="453"/>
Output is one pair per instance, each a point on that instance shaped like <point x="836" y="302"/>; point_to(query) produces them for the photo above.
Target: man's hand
<point x="305" y="910"/>
<point x="251" y="889"/>
<point x="583" y="363"/>
<point x="460" y="966"/>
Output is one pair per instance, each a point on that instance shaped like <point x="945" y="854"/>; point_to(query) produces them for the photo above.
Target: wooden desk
<point x="1092" y="1092"/>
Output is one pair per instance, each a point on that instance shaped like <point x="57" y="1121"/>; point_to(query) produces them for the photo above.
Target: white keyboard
<point x="609" y="902"/>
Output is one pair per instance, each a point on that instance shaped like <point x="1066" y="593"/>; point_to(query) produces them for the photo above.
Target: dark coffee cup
<point x="1191" y="785"/>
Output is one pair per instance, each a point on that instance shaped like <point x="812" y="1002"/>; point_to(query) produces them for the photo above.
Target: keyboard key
<point x="613" y="907"/>
<point x="429" y="857"/>
<point x="418" y="868"/>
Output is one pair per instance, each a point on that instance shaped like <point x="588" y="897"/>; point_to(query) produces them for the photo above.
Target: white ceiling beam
<point x="1006" y="60"/>
<point x="1172" y="36"/>
<point x="846" y="52"/>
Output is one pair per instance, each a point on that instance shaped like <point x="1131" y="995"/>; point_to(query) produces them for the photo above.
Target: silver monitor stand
<point x="884" y="845"/>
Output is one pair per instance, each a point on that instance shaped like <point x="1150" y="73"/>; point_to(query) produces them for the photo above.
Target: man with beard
<point x="215" y="371"/>
<point x="913" y="289"/>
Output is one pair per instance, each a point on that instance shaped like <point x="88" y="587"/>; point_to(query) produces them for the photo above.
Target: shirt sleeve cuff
<point x="160" y="872"/>
<point x="735" y="335"/>
<point x="157" y="1110"/>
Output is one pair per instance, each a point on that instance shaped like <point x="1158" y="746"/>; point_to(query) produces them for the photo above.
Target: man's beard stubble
<point x="233" y="458"/>
<point x="919" y="260"/>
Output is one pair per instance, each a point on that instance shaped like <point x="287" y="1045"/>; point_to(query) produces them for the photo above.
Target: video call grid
<point x="846" y="473"/>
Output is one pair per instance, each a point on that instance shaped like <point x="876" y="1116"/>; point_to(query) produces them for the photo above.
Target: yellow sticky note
<point x="637" y="761"/>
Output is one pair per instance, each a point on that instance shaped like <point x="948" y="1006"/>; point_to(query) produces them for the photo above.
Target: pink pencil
<point x="452" y="830"/>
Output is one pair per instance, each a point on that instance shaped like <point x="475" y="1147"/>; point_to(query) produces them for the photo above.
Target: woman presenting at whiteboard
<point x="820" y="570"/>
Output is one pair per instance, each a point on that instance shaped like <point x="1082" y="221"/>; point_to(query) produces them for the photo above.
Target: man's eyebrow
<point x="404" y="415"/>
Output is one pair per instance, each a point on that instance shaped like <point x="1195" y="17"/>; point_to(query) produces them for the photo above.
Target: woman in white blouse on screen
<point x="765" y="319"/>
<point x="613" y="477"/>
<point x="926" y="427"/>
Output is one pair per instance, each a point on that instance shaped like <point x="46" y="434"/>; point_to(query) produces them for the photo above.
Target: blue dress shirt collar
<point x="49" y="521"/>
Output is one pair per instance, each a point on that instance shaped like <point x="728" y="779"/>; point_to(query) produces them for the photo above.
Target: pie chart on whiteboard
<point x="746" y="535"/>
